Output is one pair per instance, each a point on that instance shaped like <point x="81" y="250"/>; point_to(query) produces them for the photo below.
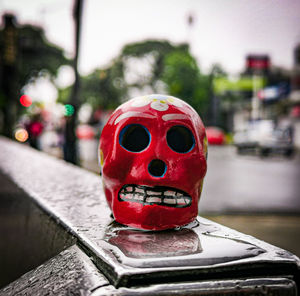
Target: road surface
<point x="247" y="183"/>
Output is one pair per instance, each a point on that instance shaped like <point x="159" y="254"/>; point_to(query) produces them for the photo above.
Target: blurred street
<point x="246" y="183"/>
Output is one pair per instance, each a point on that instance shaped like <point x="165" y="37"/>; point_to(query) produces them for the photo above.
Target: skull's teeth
<point x="167" y="197"/>
<point x="153" y="199"/>
<point x="129" y="196"/>
<point x="169" y="193"/>
<point x="170" y="201"/>
<point x="138" y="197"/>
<point x="153" y="192"/>
<point x="180" y="201"/>
<point x="139" y="190"/>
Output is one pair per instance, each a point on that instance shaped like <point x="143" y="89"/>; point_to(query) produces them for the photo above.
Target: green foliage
<point x="172" y="67"/>
<point x="183" y="79"/>
<point x="176" y="68"/>
<point x="157" y="47"/>
<point x="35" y="55"/>
<point x="157" y="50"/>
<point x="64" y="95"/>
<point x="103" y="88"/>
<point x="25" y="55"/>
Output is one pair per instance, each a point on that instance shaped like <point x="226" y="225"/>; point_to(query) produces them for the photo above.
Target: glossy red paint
<point x="155" y="195"/>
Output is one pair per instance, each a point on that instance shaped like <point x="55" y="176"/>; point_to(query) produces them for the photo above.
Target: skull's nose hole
<point x="157" y="168"/>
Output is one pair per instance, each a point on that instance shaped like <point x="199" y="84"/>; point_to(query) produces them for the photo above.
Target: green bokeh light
<point x="69" y="110"/>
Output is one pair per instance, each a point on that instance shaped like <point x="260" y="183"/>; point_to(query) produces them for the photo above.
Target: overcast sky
<point x="224" y="31"/>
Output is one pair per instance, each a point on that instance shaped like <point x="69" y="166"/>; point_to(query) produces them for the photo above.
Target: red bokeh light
<point x="25" y="101"/>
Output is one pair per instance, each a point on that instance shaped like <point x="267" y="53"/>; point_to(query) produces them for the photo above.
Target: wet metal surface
<point x="213" y="251"/>
<point x="204" y="251"/>
<point x="253" y="287"/>
<point x="280" y="230"/>
<point x="69" y="273"/>
<point x="197" y="246"/>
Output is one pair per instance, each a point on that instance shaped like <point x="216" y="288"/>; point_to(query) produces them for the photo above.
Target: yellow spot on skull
<point x="205" y="146"/>
<point x="200" y="187"/>
<point x="101" y="157"/>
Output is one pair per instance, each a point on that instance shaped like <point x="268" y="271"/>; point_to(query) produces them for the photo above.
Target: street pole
<point x="70" y="149"/>
<point x="255" y="103"/>
<point x="8" y="82"/>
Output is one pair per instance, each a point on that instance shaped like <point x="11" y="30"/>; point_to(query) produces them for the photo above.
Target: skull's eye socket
<point x="180" y="139"/>
<point x="134" y="138"/>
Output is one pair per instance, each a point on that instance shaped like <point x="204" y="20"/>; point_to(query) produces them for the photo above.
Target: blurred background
<point x="66" y="65"/>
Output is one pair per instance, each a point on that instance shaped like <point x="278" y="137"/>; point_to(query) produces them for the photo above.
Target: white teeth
<point x="153" y="192"/>
<point x="180" y="201"/>
<point x="170" y="193"/>
<point x="129" y="195"/>
<point x="138" y="197"/>
<point x="142" y="195"/>
<point x="169" y="200"/>
<point x="139" y="190"/>
<point x="153" y="199"/>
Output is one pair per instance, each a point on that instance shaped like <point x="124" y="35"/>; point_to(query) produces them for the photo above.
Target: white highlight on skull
<point x="172" y="116"/>
<point x="132" y="114"/>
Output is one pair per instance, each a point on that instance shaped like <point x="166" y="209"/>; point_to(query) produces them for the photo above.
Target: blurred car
<point x="85" y="132"/>
<point x="215" y="135"/>
<point x="264" y="138"/>
<point x="279" y="142"/>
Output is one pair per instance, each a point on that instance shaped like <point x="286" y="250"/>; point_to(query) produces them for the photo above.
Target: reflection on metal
<point x="173" y="248"/>
<point x="202" y="258"/>
<point x="142" y="245"/>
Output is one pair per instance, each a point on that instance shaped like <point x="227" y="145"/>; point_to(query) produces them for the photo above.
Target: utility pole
<point x="70" y="149"/>
<point x="9" y="73"/>
<point x="257" y="66"/>
<point x="255" y="103"/>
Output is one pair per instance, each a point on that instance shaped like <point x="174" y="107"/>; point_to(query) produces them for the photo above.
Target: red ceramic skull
<point x="153" y="160"/>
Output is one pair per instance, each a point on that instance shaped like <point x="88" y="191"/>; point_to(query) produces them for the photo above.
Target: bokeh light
<point x="25" y="101"/>
<point x="69" y="110"/>
<point x="21" y="135"/>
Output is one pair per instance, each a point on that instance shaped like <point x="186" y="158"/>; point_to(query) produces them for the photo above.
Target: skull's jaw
<point x="157" y="195"/>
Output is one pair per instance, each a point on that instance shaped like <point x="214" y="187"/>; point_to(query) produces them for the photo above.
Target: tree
<point x="173" y="70"/>
<point x="183" y="79"/>
<point x="150" y="66"/>
<point x="25" y="55"/>
<point x="102" y="89"/>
